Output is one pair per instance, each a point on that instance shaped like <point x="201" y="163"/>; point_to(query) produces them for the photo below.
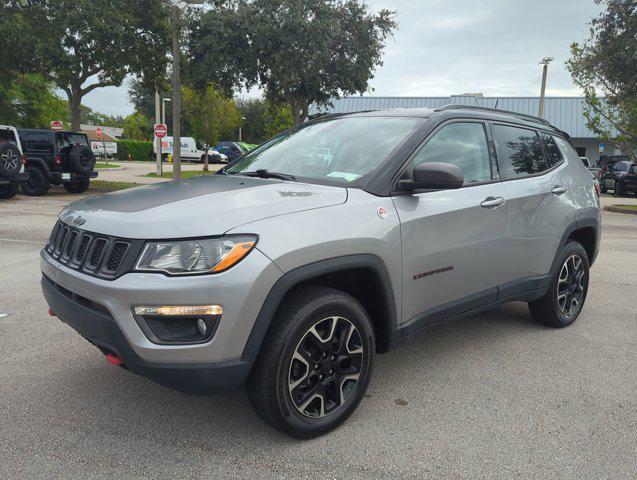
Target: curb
<point x="618" y="209"/>
<point x="112" y="169"/>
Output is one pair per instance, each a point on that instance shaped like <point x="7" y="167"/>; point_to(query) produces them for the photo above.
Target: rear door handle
<point x="559" y="190"/>
<point x="492" y="202"/>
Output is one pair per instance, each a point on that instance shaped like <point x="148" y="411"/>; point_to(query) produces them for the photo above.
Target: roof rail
<point x="530" y="118"/>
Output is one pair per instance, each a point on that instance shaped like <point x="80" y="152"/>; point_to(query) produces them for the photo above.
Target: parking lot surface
<point x="491" y="396"/>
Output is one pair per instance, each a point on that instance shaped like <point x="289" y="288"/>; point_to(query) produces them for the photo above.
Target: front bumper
<point x="101" y="330"/>
<point x="101" y="311"/>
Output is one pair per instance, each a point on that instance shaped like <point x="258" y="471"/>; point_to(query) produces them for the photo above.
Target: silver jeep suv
<point x="291" y="268"/>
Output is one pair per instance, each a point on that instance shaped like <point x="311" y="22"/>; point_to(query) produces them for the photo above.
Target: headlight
<point x="190" y="257"/>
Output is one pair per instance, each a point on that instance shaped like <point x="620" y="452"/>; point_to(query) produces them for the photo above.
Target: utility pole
<point x="157" y="140"/>
<point x="176" y="95"/>
<point x="545" y="61"/>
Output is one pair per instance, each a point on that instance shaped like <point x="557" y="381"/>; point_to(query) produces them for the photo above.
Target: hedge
<point x="140" y="151"/>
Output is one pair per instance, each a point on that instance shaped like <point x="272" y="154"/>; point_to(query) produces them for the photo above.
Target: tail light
<point x="598" y="190"/>
<point x="58" y="160"/>
<point x="23" y="159"/>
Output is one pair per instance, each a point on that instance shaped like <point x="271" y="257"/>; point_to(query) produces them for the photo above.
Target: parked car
<point x="232" y="150"/>
<point x="191" y="151"/>
<point x="11" y="162"/>
<point x="612" y="174"/>
<point x="291" y="275"/>
<point x="594" y="170"/>
<point x="610" y="160"/>
<point x="626" y="183"/>
<point x="56" y="157"/>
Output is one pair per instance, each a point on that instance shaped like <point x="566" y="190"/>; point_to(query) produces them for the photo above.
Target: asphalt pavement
<point x="491" y="396"/>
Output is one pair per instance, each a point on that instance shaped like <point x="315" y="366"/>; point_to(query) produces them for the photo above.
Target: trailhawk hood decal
<point x="198" y="207"/>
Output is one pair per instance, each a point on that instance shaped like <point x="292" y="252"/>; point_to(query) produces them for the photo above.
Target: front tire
<point x="565" y="299"/>
<point x="315" y="363"/>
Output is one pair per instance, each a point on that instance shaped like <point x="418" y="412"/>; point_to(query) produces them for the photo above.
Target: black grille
<point x="94" y="254"/>
<point x="118" y="250"/>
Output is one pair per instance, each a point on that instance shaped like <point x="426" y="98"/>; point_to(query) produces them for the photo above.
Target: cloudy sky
<point x="445" y="47"/>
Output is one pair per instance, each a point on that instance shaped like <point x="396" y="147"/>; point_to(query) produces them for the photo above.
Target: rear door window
<point x="519" y="151"/>
<point x="462" y="144"/>
<point x="40" y="142"/>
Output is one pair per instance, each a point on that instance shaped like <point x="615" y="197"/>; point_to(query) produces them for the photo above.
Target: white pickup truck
<point x="191" y="151"/>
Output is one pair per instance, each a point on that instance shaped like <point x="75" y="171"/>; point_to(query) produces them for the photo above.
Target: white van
<point x="191" y="151"/>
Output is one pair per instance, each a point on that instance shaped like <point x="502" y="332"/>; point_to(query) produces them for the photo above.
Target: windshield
<point x="341" y="150"/>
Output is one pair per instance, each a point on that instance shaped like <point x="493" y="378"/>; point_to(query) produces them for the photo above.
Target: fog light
<point x="201" y="327"/>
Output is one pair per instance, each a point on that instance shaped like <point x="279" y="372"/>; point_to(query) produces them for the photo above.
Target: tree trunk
<point x="206" y="160"/>
<point x="300" y="107"/>
<point x="75" y="105"/>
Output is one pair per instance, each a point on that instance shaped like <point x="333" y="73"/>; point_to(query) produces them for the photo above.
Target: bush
<point x="140" y="151"/>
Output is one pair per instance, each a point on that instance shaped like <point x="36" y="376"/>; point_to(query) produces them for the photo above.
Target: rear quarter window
<point x="553" y="154"/>
<point x="40" y="142"/>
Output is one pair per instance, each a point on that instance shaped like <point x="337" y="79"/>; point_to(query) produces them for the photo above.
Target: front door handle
<point x="492" y="202"/>
<point x="559" y="190"/>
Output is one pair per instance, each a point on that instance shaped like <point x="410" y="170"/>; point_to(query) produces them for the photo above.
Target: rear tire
<point x="602" y="186"/>
<point x="77" y="186"/>
<point x="8" y="191"/>
<point x="38" y="183"/>
<point x="565" y="299"/>
<point x="315" y="362"/>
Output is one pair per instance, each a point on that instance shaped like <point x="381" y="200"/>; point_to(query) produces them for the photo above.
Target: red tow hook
<point x="52" y="313"/>
<point x="114" y="360"/>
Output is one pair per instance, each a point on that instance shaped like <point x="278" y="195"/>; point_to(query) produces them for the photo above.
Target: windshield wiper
<point x="268" y="174"/>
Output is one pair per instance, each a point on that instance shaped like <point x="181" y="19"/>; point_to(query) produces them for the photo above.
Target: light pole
<point x="545" y="61"/>
<point x="177" y="86"/>
<point x="157" y="140"/>
<point x="243" y="119"/>
<point x="163" y="109"/>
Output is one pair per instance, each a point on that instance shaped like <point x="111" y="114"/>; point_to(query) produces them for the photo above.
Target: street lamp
<point x="177" y="86"/>
<point x="545" y="61"/>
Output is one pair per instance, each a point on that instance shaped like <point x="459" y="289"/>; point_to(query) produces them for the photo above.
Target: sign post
<point x="57" y="125"/>
<point x="100" y="134"/>
<point x="160" y="132"/>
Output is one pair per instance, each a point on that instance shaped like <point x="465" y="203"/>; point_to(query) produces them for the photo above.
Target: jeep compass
<point x="294" y="266"/>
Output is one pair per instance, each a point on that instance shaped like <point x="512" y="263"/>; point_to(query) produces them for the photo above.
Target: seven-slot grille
<point x="92" y="253"/>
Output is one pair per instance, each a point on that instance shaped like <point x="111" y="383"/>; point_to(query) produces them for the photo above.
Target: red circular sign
<point x="99" y="132"/>
<point x="161" y="130"/>
<point x="56" y="125"/>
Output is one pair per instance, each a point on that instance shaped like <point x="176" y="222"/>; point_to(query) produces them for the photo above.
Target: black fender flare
<point x="573" y="227"/>
<point x="294" y="277"/>
<point x="38" y="162"/>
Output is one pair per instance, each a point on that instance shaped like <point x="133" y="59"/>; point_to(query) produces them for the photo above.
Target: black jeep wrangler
<point x="61" y="157"/>
<point x="11" y="162"/>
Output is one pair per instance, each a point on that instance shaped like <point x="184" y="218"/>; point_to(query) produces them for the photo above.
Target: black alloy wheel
<point x="325" y="367"/>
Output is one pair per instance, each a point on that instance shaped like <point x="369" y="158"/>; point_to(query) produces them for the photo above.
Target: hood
<point x="197" y="207"/>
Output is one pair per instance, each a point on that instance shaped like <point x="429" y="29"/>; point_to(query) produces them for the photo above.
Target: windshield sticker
<point x="350" y="177"/>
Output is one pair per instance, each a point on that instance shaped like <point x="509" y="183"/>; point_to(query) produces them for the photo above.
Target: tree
<point x="137" y="127"/>
<point x="87" y="44"/>
<point x="300" y="51"/>
<point x="28" y="100"/>
<point x="605" y="65"/>
<point x="211" y="115"/>
<point x="276" y="118"/>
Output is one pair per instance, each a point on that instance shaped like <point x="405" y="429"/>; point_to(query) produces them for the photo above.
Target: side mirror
<point x="434" y="176"/>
